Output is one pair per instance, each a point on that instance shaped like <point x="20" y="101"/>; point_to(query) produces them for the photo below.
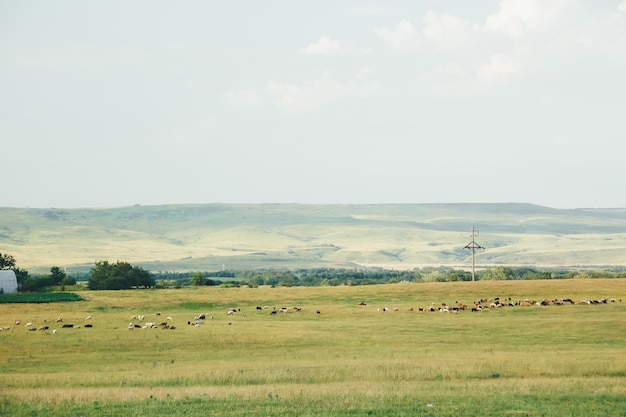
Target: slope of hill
<point x="401" y="236"/>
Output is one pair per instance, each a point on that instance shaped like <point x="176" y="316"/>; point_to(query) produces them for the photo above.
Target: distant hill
<point x="247" y="236"/>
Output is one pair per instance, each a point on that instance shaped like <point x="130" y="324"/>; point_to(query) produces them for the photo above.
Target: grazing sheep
<point x="88" y="318"/>
<point x="55" y="331"/>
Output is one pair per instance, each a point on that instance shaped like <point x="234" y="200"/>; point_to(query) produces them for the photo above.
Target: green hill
<point x="234" y="236"/>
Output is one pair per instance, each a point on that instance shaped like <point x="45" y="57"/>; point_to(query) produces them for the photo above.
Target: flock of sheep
<point x="30" y="326"/>
<point x="497" y="302"/>
<point x="141" y="321"/>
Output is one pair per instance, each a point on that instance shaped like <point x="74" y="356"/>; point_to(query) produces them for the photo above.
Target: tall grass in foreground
<point x="348" y="360"/>
<point x="578" y="405"/>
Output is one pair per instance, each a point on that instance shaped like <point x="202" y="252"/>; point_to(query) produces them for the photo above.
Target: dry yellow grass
<point x="347" y="349"/>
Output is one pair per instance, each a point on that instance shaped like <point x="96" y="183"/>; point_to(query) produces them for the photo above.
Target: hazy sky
<point x="115" y="103"/>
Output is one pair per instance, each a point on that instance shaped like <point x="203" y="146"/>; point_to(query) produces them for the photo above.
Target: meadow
<point x="350" y="359"/>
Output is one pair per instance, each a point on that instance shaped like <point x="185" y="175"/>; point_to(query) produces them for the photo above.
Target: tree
<point x="7" y="261"/>
<point x="57" y="275"/>
<point x="119" y="276"/>
<point x="255" y="280"/>
<point x="496" y="273"/>
<point x="198" y="279"/>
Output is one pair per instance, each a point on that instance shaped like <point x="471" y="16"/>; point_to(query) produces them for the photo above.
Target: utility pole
<point x="473" y="245"/>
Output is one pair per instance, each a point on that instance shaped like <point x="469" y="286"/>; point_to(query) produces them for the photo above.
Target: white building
<point x="8" y="282"/>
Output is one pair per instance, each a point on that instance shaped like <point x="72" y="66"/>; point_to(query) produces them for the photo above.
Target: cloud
<point x="400" y="35"/>
<point x="499" y="67"/>
<point x="518" y="17"/>
<point x="324" y="46"/>
<point x="299" y="98"/>
<point x="446" y="29"/>
<point x="622" y="7"/>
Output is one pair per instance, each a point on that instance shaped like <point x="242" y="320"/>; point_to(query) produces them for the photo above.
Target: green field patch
<point x="39" y="298"/>
<point x="198" y="306"/>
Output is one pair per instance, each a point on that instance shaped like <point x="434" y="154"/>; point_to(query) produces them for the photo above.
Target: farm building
<point x="8" y="282"/>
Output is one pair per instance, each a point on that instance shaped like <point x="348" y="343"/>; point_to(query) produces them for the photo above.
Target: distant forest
<point x="335" y="277"/>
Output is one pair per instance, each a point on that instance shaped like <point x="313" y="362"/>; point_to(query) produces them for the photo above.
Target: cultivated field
<point x="348" y="360"/>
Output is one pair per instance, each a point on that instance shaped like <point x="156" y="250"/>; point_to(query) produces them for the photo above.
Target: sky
<point x="115" y="103"/>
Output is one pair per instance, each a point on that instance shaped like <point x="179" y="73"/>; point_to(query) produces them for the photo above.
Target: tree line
<point x="372" y="276"/>
<point x="121" y="275"/>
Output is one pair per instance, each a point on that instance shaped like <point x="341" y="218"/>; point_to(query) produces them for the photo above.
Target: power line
<point x="473" y="245"/>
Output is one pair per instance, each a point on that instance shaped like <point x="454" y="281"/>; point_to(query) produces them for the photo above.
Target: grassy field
<point x="348" y="360"/>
